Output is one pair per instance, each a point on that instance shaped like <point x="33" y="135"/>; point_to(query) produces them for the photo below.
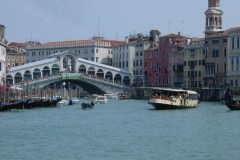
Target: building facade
<point x="97" y="49"/>
<point x="123" y="55"/>
<point x="175" y="56"/>
<point x="194" y="64"/>
<point x="3" y="47"/>
<point x="151" y="58"/>
<point x="233" y="58"/>
<point x="16" y="54"/>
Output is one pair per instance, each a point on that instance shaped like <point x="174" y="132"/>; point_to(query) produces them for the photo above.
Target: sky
<point x="63" y="20"/>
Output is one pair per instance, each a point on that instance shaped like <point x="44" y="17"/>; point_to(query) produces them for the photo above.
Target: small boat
<point x="101" y="99"/>
<point x="75" y="100"/>
<point x="232" y="98"/>
<point x="168" y="98"/>
<point x="63" y="102"/>
<point x="123" y="96"/>
<point x="87" y="105"/>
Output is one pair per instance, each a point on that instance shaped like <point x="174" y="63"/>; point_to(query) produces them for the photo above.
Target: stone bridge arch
<point x="69" y="62"/>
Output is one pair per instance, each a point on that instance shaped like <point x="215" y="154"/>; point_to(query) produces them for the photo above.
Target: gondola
<point x="87" y="105"/>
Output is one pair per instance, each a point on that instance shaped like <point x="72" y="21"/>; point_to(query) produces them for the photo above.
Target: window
<point x="199" y="74"/>
<point x="224" y="40"/>
<point x="215" y="41"/>
<point x="238" y="42"/>
<point x="232" y="42"/>
<point x="96" y="59"/>
<point x="215" y="52"/>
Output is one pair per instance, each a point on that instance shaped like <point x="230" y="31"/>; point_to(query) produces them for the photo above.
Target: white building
<point x="3" y="56"/>
<point x="97" y="49"/>
<point x="233" y="56"/>
<point x="123" y="56"/>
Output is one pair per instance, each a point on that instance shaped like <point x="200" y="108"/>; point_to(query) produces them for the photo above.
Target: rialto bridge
<point x="91" y="76"/>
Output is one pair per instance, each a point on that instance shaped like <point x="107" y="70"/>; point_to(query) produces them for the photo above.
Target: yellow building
<point x="194" y="61"/>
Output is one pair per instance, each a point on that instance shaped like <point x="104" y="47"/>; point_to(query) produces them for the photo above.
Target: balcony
<point x="209" y="75"/>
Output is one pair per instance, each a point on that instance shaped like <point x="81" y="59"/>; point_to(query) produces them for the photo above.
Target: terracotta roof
<point x="17" y="44"/>
<point x="170" y="35"/>
<point x="223" y="33"/>
<point x="76" y="43"/>
<point x="197" y="39"/>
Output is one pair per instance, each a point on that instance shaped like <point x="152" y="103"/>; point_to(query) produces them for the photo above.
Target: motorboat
<point x="75" y="100"/>
<point x="168" y="98"/>
<point x="101" y="99"/>
<point x="63" y="102"/>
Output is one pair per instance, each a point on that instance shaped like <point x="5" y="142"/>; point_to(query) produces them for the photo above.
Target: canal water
<point x="121" y="130"/>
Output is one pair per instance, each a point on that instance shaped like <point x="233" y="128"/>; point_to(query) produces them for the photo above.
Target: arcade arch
<point x="69" y="62"/>
<point x="82" y="69"/>
<point x="55" y="69"/>
<point x="91" y="71"/>
<point x="27" y="75"/>
<point x="9" y="79"/>
<point x="117" y="78"/>
<point x="109" y="76"/>
<point x="100" y="73"/>
<point x="45" y="71"/>
<point x="36" y="73"/>
<point x="18" y="77"/>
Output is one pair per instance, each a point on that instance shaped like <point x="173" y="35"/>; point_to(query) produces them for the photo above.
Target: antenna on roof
<point x="169" y="27"/>
<point x="98" y="27"/>
<point x="182" y="27"/>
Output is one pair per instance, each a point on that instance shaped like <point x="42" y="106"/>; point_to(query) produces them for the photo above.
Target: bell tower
<point x="213" y="17"/>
